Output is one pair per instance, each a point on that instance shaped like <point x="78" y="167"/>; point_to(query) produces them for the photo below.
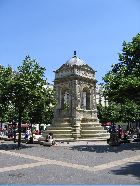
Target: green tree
<point x="43" y="111"/>
<point x="26" y="88"/>
<point x="49" y="105"/>
<point x="108" y="113"/>
<point x="5" y="82"/>
<point x="130" y="112"/>
<point x="122" y="82"/>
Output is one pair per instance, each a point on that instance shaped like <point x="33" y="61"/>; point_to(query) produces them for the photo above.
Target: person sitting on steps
<point x="49" y="138"/>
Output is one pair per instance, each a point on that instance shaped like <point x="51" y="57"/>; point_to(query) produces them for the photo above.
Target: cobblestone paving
<point x="74" y="163"/>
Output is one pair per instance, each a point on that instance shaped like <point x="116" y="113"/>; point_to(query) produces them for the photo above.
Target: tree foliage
<point x="43" y="111"/>
<point x="23" y="95"/>
<point x="125" y="113"/>
<point x="26" y="87"/>
<point x="27" y="84"/>
<point x="108" y="113"/>
<point x="122" y="85"/>
<point x="5" y="94"/>
<point x="122" y="82"/>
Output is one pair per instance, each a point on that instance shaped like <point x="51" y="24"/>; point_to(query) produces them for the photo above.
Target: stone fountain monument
<point x="75" y="116"/>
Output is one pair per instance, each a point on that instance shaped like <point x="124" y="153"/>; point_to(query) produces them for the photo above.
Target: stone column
<point x="78" y="96"/>
<point x="94" y="102"/>
<point x="76" y="128"/>
<point x="58" y="96"/>
<point x="94" y="98"/>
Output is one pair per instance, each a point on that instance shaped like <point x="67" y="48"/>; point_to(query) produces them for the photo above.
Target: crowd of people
<point x="7" y="132"/>
<point x="11" y="133"/>
<point x="119" y="135"/>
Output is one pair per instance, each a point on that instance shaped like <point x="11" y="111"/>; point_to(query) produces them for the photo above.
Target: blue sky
<point x="50" y="30"/>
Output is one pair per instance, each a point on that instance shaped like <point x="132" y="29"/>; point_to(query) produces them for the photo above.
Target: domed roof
<point x="75" y="61"/>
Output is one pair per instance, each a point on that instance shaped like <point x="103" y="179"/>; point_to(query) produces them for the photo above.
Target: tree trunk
<point x="19" y="130"/>
<point x="39" y="128"/>
<point x="1" y="123"/>
<point x="32" y="129"/>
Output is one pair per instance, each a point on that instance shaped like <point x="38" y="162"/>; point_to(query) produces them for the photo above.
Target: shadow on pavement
<point x="13" y="146"/>
<point x="106" y="148"/>
<point x="131" y="169"/>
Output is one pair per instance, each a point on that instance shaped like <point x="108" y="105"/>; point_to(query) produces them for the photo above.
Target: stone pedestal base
<point x="76" y="128"/>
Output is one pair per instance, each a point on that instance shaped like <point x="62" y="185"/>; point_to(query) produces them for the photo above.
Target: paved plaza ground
<point x="73" y="163"/>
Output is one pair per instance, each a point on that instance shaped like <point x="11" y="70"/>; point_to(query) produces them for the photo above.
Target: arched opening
<point x="86" y="99"/>
<point x="65" y="99"/>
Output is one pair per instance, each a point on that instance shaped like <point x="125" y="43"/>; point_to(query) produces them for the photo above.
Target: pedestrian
<point x="120" y="131"/>
<point x="26" y="136"/>
<point x="14" y="134"/>
<point x="138" y="132"/>
<point x="50" y="138"/>
<point x="131" y="132"/>
<point x="29" y="133"/>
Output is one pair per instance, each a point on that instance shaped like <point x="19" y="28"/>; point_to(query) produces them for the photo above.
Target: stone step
<point x="58" y="128"/>
<point x="61" y="125"/>
<point x="64" y="139"/>
<point x="95" y="135"/>
<point x="90" y="124"/>
<point x="80" y="139"/>
<point x="58" y="131"/>
<point x="93" y="139"/>
<point x="92" y="131"/>
<point x="93" y="128"/>
<point x="58" y="135"/>
<point x="62" y="136"/>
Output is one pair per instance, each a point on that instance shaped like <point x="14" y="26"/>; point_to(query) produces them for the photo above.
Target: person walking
<point x="120" y="131"/>
<point x="26" y="137"/>
<point x="138" y="132"/>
